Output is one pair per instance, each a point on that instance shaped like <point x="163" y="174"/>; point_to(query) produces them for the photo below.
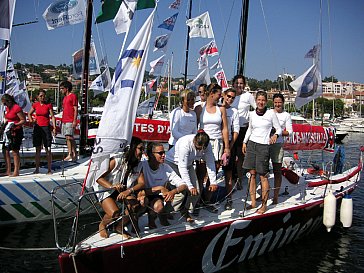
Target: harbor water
<point x="341" y="250"/>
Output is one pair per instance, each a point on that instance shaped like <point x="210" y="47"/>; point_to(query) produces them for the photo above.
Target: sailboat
<point x="214" y="241"/>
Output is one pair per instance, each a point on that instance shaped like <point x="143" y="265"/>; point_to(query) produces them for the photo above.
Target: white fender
<point x="329" y="211"/>
<point x="346" y="211"/>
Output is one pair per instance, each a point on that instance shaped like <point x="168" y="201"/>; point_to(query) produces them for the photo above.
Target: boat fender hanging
<point x="346" y="211"/>
<point x="329" y="211"/>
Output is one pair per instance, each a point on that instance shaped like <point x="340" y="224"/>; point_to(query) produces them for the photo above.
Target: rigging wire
<point x="225" y="25"/>
<point x="269" y="40"/>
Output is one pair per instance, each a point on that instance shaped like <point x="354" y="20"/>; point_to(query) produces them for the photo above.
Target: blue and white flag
<point x="169" y="22"/>
<point x="77" y="58"/>
<point x="146" y="107"/>
<point x="175" y="4"/>
<point x="117" y="121"/>
<point x="313" y="52"/>
<point x="6" y="18"/>
<point x="309" y="85"/>
<point x="161" y="42"/>
<point x="203" y="77"/>
<point x="3" y="60"/>
<point x="64" y="12"/>
<point x="102" y="83"/>
<point x="124" y="16"/>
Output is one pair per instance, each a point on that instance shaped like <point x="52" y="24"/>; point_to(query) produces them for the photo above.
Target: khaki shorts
<point x="276" y="152"/>
<point x="67" y="129"/>
<point x="257" y="158"/>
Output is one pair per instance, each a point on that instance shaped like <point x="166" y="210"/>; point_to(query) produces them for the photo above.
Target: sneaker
<point x="229" y="205"/>
<point x="211" y="208"/>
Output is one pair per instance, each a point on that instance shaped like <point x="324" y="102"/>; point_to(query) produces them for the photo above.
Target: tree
<point x="330" y="79"/>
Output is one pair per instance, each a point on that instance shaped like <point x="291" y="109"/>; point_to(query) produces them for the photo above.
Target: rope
<point x="28" y="248"/>
<point x="74" y="262"/>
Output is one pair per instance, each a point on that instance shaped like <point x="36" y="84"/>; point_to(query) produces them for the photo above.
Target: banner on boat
<point x="308" y="137"/>
<point x="151" y="130"/>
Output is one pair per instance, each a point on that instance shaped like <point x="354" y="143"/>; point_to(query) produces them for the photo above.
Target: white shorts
<point x="217" y="148"/>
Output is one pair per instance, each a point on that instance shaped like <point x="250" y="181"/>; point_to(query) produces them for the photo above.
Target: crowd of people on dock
<point x="40" y="115"/>
<point x="219" y="131"/>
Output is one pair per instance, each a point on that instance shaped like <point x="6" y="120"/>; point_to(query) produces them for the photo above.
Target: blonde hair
<point x="187" y="93"/>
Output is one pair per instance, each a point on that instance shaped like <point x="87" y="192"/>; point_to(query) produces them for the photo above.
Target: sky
<point x="280" y="32"/>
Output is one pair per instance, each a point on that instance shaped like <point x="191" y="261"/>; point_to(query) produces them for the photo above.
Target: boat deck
<point x="291" y="196"/>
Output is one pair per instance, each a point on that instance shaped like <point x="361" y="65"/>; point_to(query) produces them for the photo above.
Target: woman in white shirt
<point x="183" y="119"/>
<point x="212" y="119"/>
<point x="256" y="147"/>
<point x="123" y="180"/>
<point x="276" y="149"/>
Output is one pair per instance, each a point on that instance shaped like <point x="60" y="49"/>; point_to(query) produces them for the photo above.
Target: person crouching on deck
<point x="124" y="177"/>
<point x="181" y="157"/>
<point x="158" y="179"/>
<point x="256" y="147"/>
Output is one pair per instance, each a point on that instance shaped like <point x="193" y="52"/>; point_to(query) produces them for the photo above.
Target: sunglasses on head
<point x="160" y="153"/>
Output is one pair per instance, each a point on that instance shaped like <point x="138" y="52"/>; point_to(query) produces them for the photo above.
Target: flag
<point x="145" y="4"/>
<point x="151" y="87"/>
<point x="124" y="16"/>
<point x="221" y="79"/>
<point x="169" y="22"/>
<point x="202" y="62"/>
<point x="312" y="53"/>
<point x="175" y="4"/>
<point x="156" y="65"/>
<point x="6" y="18"/>
<point x="117" y="121"/>
<point x="110" y="8"/>
<point x="200" y="26"/>
<point x="3" y="61"/>
<point x="161" y="42"/>
<point x="210" y="49"/>
<point x="216" y="65"/>
<point x="62" y="13"/>
<point x="203" y="77"/>
<point x="146" y="107"/>
<point x="102" y="83"/>
<point x="308" y="86"/>
<point x="77" y="63"/>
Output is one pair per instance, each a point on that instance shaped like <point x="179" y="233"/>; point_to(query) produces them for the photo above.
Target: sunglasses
<point x="201" y="92"/>
<point x="230" y="97"/>
<point x="141" y="148"/>
<point x="160" y="153"/>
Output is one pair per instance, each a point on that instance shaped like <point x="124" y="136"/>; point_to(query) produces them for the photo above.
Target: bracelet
<point x="131" y="190"/>
<point x="177" y="190"/>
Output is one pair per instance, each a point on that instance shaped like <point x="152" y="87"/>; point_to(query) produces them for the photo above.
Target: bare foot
<point x="68" y="158"/>
<point x="103" y="231"/>
<point x="122" y="232"/>
<point x="36" y="171"/>
<point x="261" y="210"/>
<point x="275" y="201"/>
<point x="14" y="175"/>
<point x="49" y="173"/>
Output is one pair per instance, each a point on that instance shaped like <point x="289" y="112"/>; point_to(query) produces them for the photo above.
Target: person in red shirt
<point x="69" y="119"/>
<point x="42" y="133"/>
<point x="15" y="118"/>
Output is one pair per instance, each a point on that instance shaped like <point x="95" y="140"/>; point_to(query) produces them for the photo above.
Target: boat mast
<point x="187" y="44"/>
<point x="84" y="80"/>
<point x="243" y="37"/>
